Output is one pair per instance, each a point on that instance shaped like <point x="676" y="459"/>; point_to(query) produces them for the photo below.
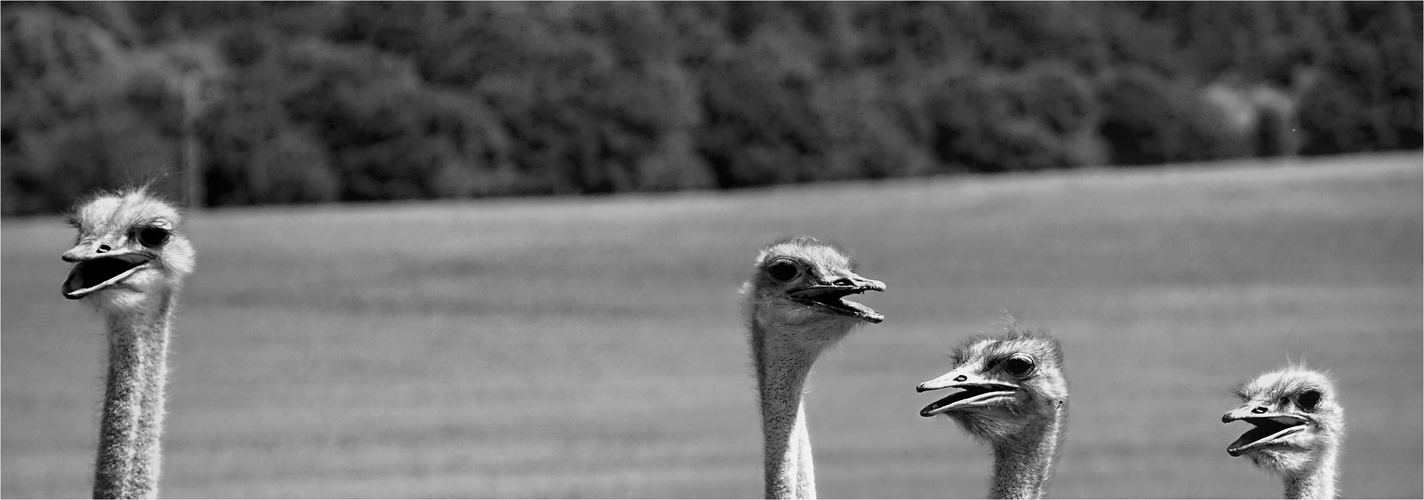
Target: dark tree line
<point x="319" y="102"/>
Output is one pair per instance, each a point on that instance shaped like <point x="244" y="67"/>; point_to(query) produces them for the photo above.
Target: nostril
<point x="844" y="282"/>
<point x="961" y="378"/>
<point x="103" y="248"/>
<point x="1259" y="409"/>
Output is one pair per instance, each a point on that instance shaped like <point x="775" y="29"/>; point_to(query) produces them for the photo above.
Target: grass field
<point x="595" y="347"/>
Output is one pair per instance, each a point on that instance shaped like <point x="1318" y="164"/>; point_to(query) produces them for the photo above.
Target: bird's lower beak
<point x="1268" y="428"/>
<point x="97" y="273"/>
<point x="977" y="391"/>
<point x="832" y="295"/>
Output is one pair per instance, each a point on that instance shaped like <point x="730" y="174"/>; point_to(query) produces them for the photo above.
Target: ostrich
<point x="1013" y="396"/>
<point x="1299" y="424"/>
<point x="129" y="262"/>
<point x="796" y="309"/>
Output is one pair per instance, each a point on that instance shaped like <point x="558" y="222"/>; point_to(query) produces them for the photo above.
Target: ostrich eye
<point x="151" y="236"/>
<point x="783" y="271"/>
<point x="1308" y="400"/>
<point x="1018" y="366"/>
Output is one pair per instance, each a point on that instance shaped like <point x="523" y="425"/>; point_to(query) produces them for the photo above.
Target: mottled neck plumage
<point x="132" y="423"/>
<point x="1022" y="466"/>
<point x="1318" y="482"/>
<point x="781" y="378"/>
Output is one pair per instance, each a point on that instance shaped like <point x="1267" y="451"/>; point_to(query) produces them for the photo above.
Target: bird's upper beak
<point x="96" y="270"/>
<point x="830" y="294"/>
<point x="977" y="391"/>
<point x="1244" y="412"/>
<point x="1269" y="427"/>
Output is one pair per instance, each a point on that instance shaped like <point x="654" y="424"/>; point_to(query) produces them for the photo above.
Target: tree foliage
<point x="357" y="101"/>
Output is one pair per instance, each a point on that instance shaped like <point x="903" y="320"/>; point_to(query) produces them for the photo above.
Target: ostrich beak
<point x="977" y="391"/>
<point x="1269" y="428"/>
<point x="831" y="294"/>
<point x="95" y="271"/>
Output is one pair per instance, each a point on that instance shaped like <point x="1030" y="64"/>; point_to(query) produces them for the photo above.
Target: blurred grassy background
<point x="595" y="347"/>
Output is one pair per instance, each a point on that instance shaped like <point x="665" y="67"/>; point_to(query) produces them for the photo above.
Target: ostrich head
<point x="1297" y="420"/>
<point x="1009" y="385"/>
<point x="128" y="249"/>
<point x="800" y="287"/>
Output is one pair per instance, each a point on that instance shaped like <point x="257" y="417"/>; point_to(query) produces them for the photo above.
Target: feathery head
<point x="1010" y="384"/>
<point x="800" y="284"/>
<point x="1297" y="417"/>
<point x="128" y="248"/>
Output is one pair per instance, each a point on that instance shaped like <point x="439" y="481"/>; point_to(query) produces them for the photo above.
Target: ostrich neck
<point x="781" y="377"/>
<point x="129" y="451"/>
<point x="1023" y="465"/>
<point x="1318" y="482"/>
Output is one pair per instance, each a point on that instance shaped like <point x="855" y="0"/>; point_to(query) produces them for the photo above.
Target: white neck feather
<point x="783" y="365"/>
<point x="1317" y="482"/>
<point x="1022" y="467"/>
<point x="132" y="424"/>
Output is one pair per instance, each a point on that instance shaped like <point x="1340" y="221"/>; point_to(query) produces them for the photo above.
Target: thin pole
<point x="192" y="167"/>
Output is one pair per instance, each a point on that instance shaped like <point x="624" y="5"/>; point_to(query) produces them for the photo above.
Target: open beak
<point x="93" y="273"/>
<point x="977" y="391"/>
<point x="1269" y="428"/>
<point x="832" y="296"/>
